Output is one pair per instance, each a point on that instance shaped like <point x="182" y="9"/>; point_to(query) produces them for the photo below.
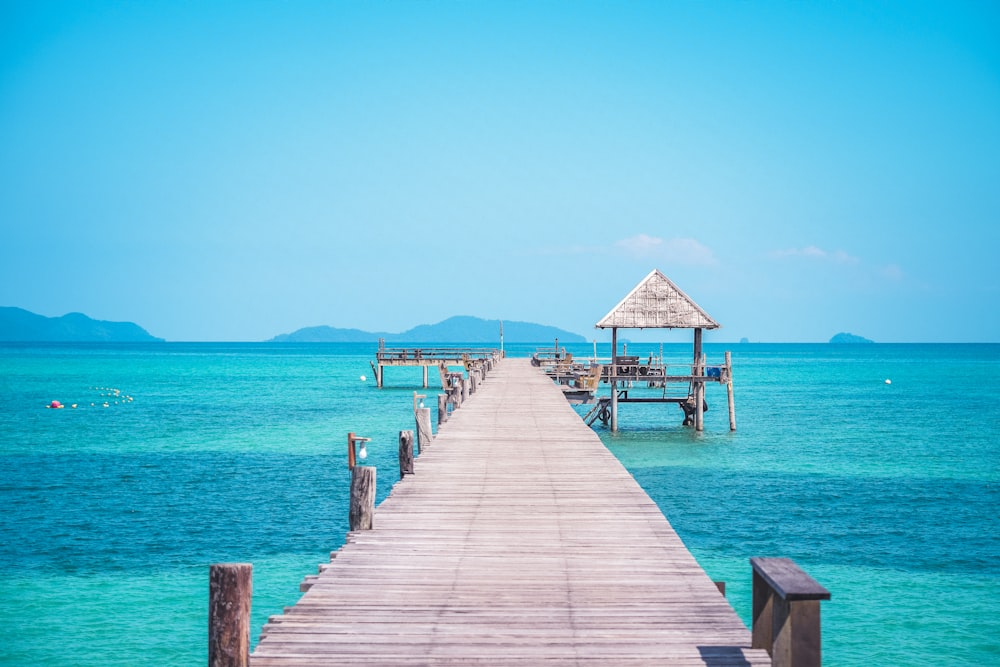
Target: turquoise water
<point x="888" y="494"/>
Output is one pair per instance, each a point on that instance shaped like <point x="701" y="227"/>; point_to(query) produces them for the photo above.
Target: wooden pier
<point x="426" y="357"/>
<point x="519" y="540"/>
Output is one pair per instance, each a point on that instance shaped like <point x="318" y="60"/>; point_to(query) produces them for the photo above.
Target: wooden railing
<point x="786" y="612"/>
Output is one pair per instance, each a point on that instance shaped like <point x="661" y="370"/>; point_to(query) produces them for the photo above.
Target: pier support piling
<point x="230" y="588"/>
<point x="698" y="370"/>
<point x="614" y="374"/>
<point x="729" y="391"/>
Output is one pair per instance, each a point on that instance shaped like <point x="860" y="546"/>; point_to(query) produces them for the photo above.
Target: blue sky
<point x="235" y="170"/>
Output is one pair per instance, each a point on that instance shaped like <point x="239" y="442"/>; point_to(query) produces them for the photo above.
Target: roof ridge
<point x="657" y="303"/>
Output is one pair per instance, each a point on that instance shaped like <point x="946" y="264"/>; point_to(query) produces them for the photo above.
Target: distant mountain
<point x="324" y="334"/>
<point x="849" y="338"/>
<point x="459" y="329"/>
<point x="22" y="326"/>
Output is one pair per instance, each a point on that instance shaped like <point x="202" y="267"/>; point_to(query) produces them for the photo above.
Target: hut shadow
<point x="730" y="656"/>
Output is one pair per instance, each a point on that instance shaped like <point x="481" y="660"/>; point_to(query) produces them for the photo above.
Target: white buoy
<point x="888" y="381"/>
<point x="364" y="379"/>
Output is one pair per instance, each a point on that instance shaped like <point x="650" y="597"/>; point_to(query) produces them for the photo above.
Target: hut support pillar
<point x="698" y="386"/>
<point x="699" y="421"/>
<point x="614" y="383"/>
<point x="729" y="391"/>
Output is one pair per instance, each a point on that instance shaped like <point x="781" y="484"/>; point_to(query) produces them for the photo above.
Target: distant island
<point x="849" y="338"/>
<point x="459" y="329"/>
<point x="21" y="326"/>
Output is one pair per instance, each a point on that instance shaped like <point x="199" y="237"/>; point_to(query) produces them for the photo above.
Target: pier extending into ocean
<point x="428" y="356"/>
<point x="519" y="539"/>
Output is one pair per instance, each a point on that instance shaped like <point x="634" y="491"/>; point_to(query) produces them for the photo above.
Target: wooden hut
<point x="657" y="303"/>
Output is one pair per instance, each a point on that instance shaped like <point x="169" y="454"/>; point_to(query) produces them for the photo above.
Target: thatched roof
<point x="657" y="303"/>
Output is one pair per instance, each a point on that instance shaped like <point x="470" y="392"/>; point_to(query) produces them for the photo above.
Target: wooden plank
<point x="522" y="541"/>
<point x="789" y="580"/>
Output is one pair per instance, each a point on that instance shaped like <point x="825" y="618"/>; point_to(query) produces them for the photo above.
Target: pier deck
<point x="520" y="540"/>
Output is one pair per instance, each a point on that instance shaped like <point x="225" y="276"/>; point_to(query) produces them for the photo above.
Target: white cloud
<point x="842" y="257"/>
<point x="641" y="245"/>
<point x="813" y="252"/>
<point x="892" y="272"/>
<point x="676" y="251"/>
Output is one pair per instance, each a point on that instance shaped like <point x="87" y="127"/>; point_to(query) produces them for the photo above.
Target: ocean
<point x="887" y="493"/>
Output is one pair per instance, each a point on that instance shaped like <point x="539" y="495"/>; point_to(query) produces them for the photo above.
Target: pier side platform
<point x="520" y="540"/>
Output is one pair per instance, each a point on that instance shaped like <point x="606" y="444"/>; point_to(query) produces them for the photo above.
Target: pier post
<point x="455" y="392"/>
<point x="465" y="390"/>
<point x="425" y="376"/>
<point x="614" y="383"/>
<point x="786" y="621"/>
<point x="729" y="391"/>
<point x="362" y="507"/>
<point x="405" y="453"/>
<point x="699" y="415"/>
<point x="697" y="385"/>
<point x="380" y="370"/>
<point x="473" y="381"/>
<point x="230" y="588"/>
<point x="442" y="409"/>
<point x="424" y="433"/>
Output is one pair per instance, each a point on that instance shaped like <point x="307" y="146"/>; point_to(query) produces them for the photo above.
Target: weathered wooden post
<point x="422" y="416"/>
<point x="405" y="453"/>
<point x="613" y="378"/>
<point x="455" y="390"/>
<point x="362" y="508"/>
<point x="425" y="376"/>
<point x="442" y="409"/>
<point x="473" y="381"/>
<point x="230" y="588"/>
<point x="424" y="433"/>
<point x="699" y="415"/>
<point x="362" y="504"/>
<point x="465" y="390"/>
<point x="786" y="620"/>
<point x="729" y="391"/>
<point x="698" y="385"/>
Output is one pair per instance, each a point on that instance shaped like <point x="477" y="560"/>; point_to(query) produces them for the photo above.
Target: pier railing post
<point x="405" y="453"/>
<point x="442" y="409"/>
<point x="786" y="619"/>
<point x="424" y="433"/>
<point x="362" y="510"/>
<point x="455" y="390"/>
<point x="230" y="588"/>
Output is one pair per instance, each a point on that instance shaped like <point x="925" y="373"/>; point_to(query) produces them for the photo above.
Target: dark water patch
<point x="912" y="524"/>
<point x="101" y="513"/>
